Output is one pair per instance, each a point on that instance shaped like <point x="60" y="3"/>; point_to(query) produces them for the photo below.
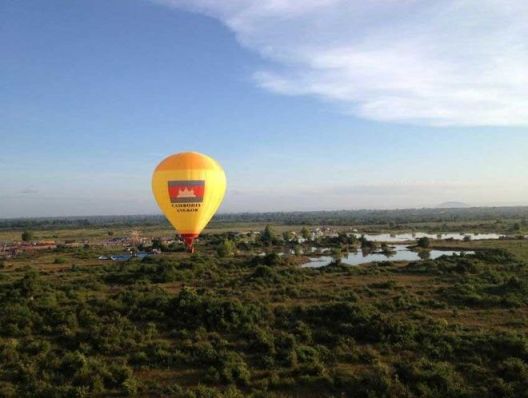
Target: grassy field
<point x="233" y="324"/>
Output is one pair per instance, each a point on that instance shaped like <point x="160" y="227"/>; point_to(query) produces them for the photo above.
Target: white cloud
<point x="443" y="62"/>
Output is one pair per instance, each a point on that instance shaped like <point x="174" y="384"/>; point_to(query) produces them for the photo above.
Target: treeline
<point x="81" y="222"/>
<point x="380" y="217"/>
<point x="392" y="218"/>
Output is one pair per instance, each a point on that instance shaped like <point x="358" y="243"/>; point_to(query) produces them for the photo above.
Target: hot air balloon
<point x="189" y="187"/>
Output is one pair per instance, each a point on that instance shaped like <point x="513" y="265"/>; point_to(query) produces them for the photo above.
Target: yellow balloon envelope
<point x="189" y="187"/>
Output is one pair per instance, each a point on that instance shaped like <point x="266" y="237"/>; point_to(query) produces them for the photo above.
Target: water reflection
<point x="424" y="255"/>
<point x="398" y="253"/>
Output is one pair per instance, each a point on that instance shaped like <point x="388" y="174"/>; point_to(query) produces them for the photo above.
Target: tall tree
<point x="268" y="235"/>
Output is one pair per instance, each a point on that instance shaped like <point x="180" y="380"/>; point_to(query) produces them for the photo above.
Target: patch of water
<point x="400" y="253"/>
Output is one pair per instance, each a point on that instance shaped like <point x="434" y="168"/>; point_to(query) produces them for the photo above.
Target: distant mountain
<point x="452" y="205"/>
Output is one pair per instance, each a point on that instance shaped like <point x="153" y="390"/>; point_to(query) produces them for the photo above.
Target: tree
<point x="297" y="250"/>
<point x="226" y="248"/>
<point x="423" y="242"/>
<point x="305" y="233"/>
<point x="367" y="244"/>
<point x="287" y="236"/>
<point x="159" y="245"/>
<point x="27" y="236"/>
<point x="337" y="255"/>
<point x="268" y="235"/>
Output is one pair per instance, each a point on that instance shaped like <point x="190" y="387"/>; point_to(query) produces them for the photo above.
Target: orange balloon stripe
<point x="186" y="161"/>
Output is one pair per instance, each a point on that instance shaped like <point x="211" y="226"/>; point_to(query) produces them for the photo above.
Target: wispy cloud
<point x="445" y="62"/>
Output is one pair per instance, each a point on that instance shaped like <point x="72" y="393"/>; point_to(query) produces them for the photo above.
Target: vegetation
<point x="239" y="320"/>
<point x="268" y="236"/>
<point x="27" y="236"/>
<point x="424" y="242"/>
<point x="496" y="219"/>
<point x="226" y="248"/>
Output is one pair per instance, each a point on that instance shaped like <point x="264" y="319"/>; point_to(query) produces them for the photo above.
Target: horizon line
<point x="267" y="212"/>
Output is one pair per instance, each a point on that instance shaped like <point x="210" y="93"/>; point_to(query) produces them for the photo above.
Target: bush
<point x="423" y="242"/>
<point x="226" y="248"/>
<point x="271" y="259"/>
<point x="233" y="369"/>
<point x="265" y="272"/>
<point x="27" y="236"/>
<point x="130" y="387"/>
<point x="426" y="378"/>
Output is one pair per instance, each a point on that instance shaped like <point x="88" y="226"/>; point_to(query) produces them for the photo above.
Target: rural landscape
<point x="263" y="199"/>
<point x="114" y="306"/>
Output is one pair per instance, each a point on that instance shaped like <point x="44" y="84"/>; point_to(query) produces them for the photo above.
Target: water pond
<point x="400" y="253"/>
<point x="124" y="257"/>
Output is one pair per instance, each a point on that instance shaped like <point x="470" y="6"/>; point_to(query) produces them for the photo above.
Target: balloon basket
<point x="188" y="240"/>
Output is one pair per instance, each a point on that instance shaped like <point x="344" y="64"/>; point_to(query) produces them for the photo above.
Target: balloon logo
<point x="189" y="187"/>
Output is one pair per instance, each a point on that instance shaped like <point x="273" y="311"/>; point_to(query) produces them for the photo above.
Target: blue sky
<point x="303" y="112"/>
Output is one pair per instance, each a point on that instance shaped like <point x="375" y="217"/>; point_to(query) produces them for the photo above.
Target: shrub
<point x="27" y="236"/>
<point x="130" y="387"/>
<point x="423" y="242"/>
<point x="226" y="248"/>
<point x="233" y="369"/>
